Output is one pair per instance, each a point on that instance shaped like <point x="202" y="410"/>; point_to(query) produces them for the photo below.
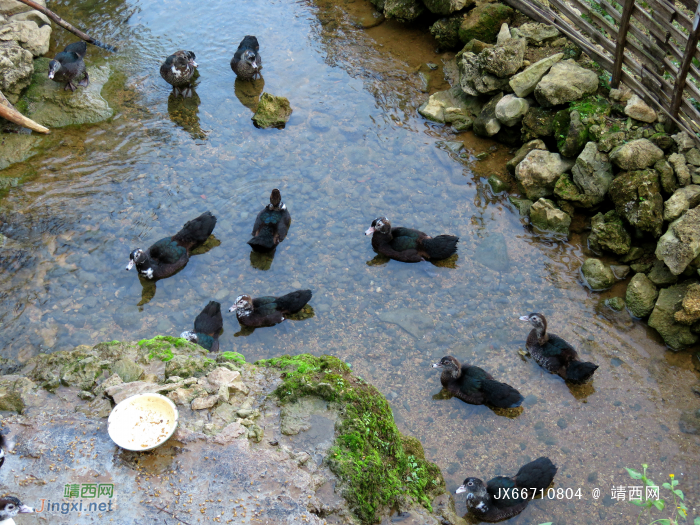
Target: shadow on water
<point x="262" y="260"/>
<point x="183" y="111"/>
<point x="248" y="92"/>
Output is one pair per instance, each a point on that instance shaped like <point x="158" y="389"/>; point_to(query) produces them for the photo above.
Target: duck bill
<point x="193" y="63"/>
<point x="232" y="309"/>
<point x="130" y="265"/>
<point x="461" y="489"/>
<point x="23" y="509"/>
<point x="524" y="318"/>
<point x="370" y="231"/>
<point x="51" y="74"/>
<point x="437" y="365"/>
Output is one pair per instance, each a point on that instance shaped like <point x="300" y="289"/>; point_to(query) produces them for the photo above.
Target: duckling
<point x="406" y="245"/>
<point x="554" y="354"/>
<point x="268" y="311"/>
<point x="497" y="500"/>
<point x="207" y="327"/>
<point x="68" y="65"/>
<point x="10" y="507"/>
<point x="473" y="385"/>
<point x="170" y="254"/>
<point x="246" y="62"/>
<point x="271" y="224"/>
<point x="178" y="70"/>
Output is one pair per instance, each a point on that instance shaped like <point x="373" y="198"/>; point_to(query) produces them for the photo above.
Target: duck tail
<point x="579" y="372"/>
<point x="293" y="302"/>
<point x="196" y="231"/>
<point x="441" y="247"/>
<point x="263" y="242"/>
<point x="537" y="474"/>
<point x="501" y="395"/>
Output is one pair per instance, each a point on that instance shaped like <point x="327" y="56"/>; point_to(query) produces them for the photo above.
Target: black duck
<point x="406" y="245"/>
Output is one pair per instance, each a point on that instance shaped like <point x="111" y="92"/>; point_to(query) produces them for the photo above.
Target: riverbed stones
<point x="597" y="275"/>
<point x="14" y="392"/>
<point x="636" y="155"/>
<point x="484" y="21"/>
<point x="415" y="322"/>
<point x="504" y="59"/>
<point x="638" y="200"/>
<point x="666" y="176"/>
<point x="538" y="173"/>
<point x="17" y="66"/>
<point x="453" y="107"/>
<point x="547" y="217"/>
<point x="637" y="109"/>
<point x="660" y="275"/>
<point x="204" y="402"/>
<point x="571" y="133"/>
<point x="503" y="34"/>
<point x="690" y="313"/>
<point x="641" y="295"/>
<point x="474" y="80"/>
<point x="28" y="35"/>
<point x="677" y="160"/>
<point x="492" y="252"/>
<point x="511" y="109"/>
<point x="536" y="34"/>
<point x="608" y="233"/>
<point x="681" y="242"/>
<point x="272" y="112"/>
<point x="538" y="122"/>
<point x="592" y="172"/>
<point x="525" y="82"/>
<point x="487" y="124"/>
<point x="447" y="7"/>
<point x="127" y="370"/>
<point x="565" y="82"/>
<point x="689" y="422"/>
<point x="568" y="191"/>
<point x="522" y="205"/>
<point x="676" y="335"/>
<point x="446" y="32"/>
<point x="681" y="200"/>
<point x="522" y="153"/>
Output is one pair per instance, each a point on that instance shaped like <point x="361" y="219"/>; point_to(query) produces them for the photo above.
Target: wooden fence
<point x="649" y="45"/>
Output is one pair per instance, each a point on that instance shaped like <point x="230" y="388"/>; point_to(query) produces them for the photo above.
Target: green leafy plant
<point x="677" y="511"/>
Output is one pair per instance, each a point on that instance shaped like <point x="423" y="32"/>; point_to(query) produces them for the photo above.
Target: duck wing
<point x="209" y="321"/>
<point x="283" y="225"/>
<point x="79" y="48"/>
<point x="537" y="474"/>
<point x="196" y="231"/>
<point x="294" y="301"/>
<point x="167" y="251"/>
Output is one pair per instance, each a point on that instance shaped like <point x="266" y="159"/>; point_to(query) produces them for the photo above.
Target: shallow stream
<point x="354" y="149"/>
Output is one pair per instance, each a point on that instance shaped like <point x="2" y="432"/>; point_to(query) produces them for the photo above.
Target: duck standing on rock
<point x="246" y="62"/>
<point x="473" y="385"/>
<point x="406" y="245"/>
<point x="268" y="311"/>
<point x="271" y="224"/>
<point x="554" y="354"/>
<point x="207" y="327"/>
<point x="68" y="65"/>
<point x="497" y="500"/>
<point x="170" y="254"/>
<point x="9" y="508"/>
<point x="178" y="70"/>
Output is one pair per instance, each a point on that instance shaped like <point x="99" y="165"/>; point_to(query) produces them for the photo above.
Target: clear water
<point x="353" y="150"/>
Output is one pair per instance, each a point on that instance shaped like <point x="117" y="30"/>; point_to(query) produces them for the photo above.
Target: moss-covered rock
<point x="597" y="275"/>
<point x="538" y="122"/>
<point x="571" y="133"/>
<point x="637" y="198"/>
<point x="378" y="467"/>
<point x="446" y="32"/>
<point x="567" y="190"/>
<point x="608" y="233"/>
<point x="547" y="217"/>
<point x="484" y="22"/>
<point x="272" y="112"/>
<point x="403" y="10"/>
<point x="676" y="335"/>
<point x="641" y="295"/>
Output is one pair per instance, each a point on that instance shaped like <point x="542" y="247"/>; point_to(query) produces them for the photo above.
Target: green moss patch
<point x="160" y="347"/>
<point x="232" y="357"/>
<point x="378" y="466"/>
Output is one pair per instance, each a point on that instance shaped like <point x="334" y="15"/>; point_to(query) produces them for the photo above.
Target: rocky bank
<point x="596" y="160"/>
<point x="287" y="440"/>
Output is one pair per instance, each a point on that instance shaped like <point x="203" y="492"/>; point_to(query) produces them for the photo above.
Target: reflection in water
<point x="248" y="92"/>
<point x="262" y="260"/>
<point x="184" y="111"/>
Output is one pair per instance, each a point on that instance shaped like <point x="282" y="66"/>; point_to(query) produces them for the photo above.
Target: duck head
<point x="10" y="507"/>
<point x="449" y="365"/>
<point x="536" y="320"/>
<point x="243" y="305"/>
<point x="190" y="336"/>
<point x="54" y="67"/>
<point x="190" y="58"/>
<point x="249" y="57"/>
<point x="476" y="490"/>
<point x="138" y="256"/>
<point x="381" y="225"/>
<point x="276" y="201"/>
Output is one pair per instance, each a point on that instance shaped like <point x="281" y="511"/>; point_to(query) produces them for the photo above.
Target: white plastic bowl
<point x="142" y="422"/>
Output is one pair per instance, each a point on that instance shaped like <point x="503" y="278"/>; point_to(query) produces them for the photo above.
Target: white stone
<point x="511" y="109"/>
<point x="637" y="109"/>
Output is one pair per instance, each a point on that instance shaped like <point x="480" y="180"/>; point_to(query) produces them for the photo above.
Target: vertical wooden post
<point x="621" y="42"/>
<point x="690" y="48"/>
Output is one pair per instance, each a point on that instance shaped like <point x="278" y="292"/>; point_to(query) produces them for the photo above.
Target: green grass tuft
<point x="237" y="358"/>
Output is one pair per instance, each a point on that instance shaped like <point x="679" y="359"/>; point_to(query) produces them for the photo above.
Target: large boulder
<point x="592" y="172"/>
<point x="451" y="107"/>
<point x="638" y="200"/>
<point x="446" y="7"/>
<point x="28" y="35"/>
<point x="511" y="109"/>
<point x="446" y="32"/>
<point x="681" y="242"/>
<point x="676" y="335"/>
<point x="504" y="59"/>
<point x="486" y="124"/>
<point x="609" y="234"/>
<point x="641" y="296"/>
<point x="545" y="216"/>
<point x="536" y="34"/>
<point x="473" y="79"/>
<point x="638" y="110"/>
<point x="598" y="276"/>
<point x="484" y="22"/>
<point x="403" y="10"/>
<point x="525" y="82"/>
<point x="681" y="201"/>
<point x="636" y="155"/>
<point x="538" y="122"/>
<point x="17" y="68"/>
<point x="565" y="82"/>
<point x="538" y="173"/>
<point x="272" y="112"/>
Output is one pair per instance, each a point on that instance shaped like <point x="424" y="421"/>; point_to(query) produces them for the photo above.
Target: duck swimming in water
<point x="271" y="224"/>
<point x="207" y="327"/>
<point x="246" y="61"/>
<point x="554" y="354"/>
<point x="68" y="65"/>
<point x="406" y="245"/>
<point x="496" y="500"/>
<point x="268" y="311"/>
<point x="178" y="70"/>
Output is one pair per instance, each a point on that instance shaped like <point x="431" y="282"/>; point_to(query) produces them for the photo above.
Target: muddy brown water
<point x="353" y="150"/>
